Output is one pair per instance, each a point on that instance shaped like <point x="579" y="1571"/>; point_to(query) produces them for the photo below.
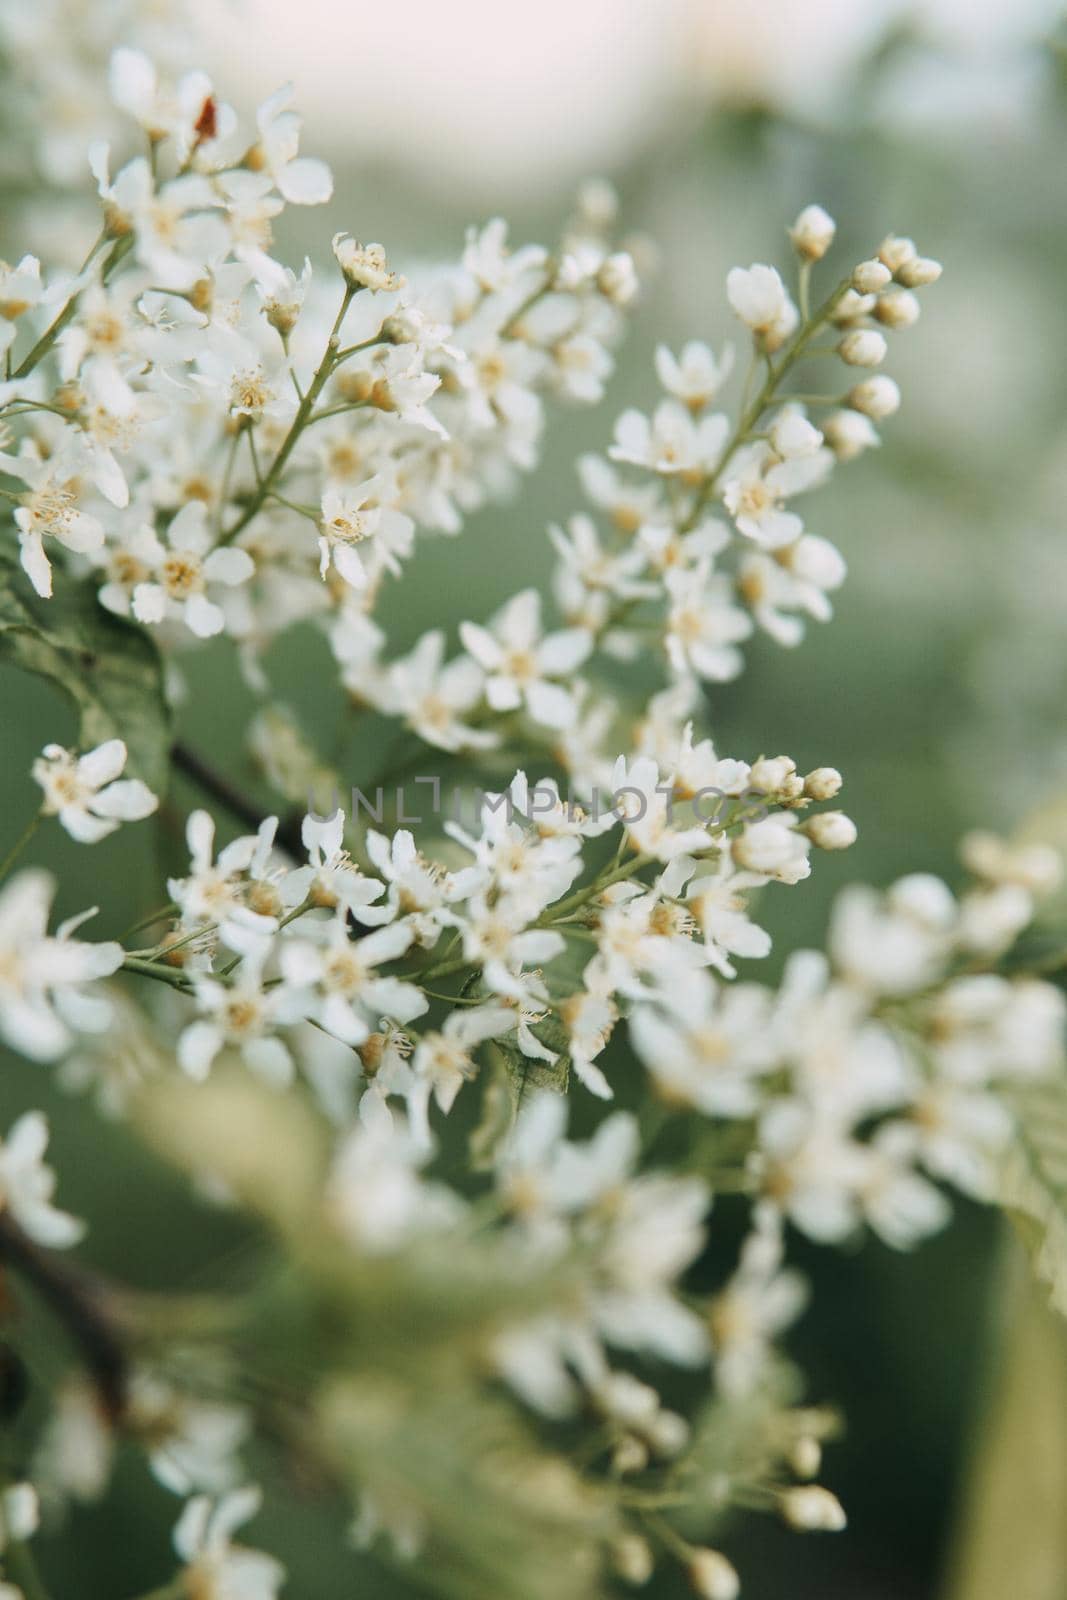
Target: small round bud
<point x="598" y="203"/>
<point x="617" y="278"/>
<point x="668" y="1434"/>
<point x="863" y="347"/>
<point x="712" y="1576"/>
<point x="771" y="773"/>
<point x="849" y="433"/>
<point x="632" y="1558"/>
<point x="630" y="1455"/>
<point x="876" y="397"/>
<point x="851" y="308"/>
<point x="813" y="1510"/>
<point x="897" y="253"/>
<point x="898" y="308"/>
<point x="831" y="830"/>
<point x="920" y="272"/>
<point x="805" y="1458"/>
<point x="823" y="783"/>
<point x="870" y="276"/>
<point x="813" y="233"/>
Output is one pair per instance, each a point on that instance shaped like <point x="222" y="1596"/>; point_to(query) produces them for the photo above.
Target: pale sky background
<point x="471" y="90"/>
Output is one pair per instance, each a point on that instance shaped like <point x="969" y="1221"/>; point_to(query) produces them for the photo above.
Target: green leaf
<point x="1032" y="1181"/>
<point x="110" y="669"/>
<point x="1012" y="1535"/>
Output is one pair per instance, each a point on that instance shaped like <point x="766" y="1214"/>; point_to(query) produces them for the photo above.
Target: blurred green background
<point x="938" y="689"/>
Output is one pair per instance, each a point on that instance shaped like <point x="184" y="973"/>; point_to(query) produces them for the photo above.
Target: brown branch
<point x="79" y="1300"/>
<point x="238" y="804"/>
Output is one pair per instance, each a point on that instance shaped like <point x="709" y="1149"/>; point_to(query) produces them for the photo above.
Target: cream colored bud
<point x="920" y="272"/>
<point x="630" y="1455"/>
<point x="805" y="1458"/>
<point x="813" y="1510"/>
<point x="812" y="233"/>
<point x="823" y="783"/>
<point x="870" y="276"/>
<point x="831" y="830"/>
<point x="598" y="203"/>
<point x="863" y="347"/>
<point x="897" y="253"/>
<point x="771" y="773"/>
<point x="668" y="1434"/>
<point x="898" y="308"/>
<point x="876" y="397"/>
<point x="617" y="279"/>
<point x="712" y="1576"/>
<point x="632" y="1558"/>
<point x="852" y="307"/>
<point x="849" y="433"/>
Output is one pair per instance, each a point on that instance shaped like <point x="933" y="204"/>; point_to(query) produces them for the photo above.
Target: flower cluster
<point x="202" y="441"/>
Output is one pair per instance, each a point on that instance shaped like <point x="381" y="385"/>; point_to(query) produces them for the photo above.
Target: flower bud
<point x="870" y="276"/>
<point x="598" y="203"/>
<point x="863" y="347"/>
<point x="364" y="265"/>
<point x="920" y="272"/>
<point x="712" y="1576"/>
<point x="632" y="1558"/>
<point x="876" y="397"/>
<point x="849" y="433"/>
<point x="898" y="308"/>
<point x="897" y="253"/>
<point x="831" y="830"/>
<point x="813" y="233"/>
<point x="668" y="1434"/>
<point x="813" y="1510"/>
<point x="805" y="1458"/>
<point x="617" y="279"/>
<point x="823" y="783"/>
<point x="851" y="307"/>
<point x="630" y="1455"/>
<point x="771" y="773"/>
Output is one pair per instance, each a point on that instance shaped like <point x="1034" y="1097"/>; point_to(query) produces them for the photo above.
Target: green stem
<point x="299" y="423"/>
<point x="158" y="970"/>
<point x="20" y="1565"/>
<point x="48" y="338"/>
<point x="20" y="844"/>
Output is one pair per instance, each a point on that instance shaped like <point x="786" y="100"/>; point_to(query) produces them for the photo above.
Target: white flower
<point x="490" y="261"/>
<point x="695" y="377"/>
<point x="50" y="509"/>
<point x="344" y="992"/>
<point x="330" y="880"/>
<point x="520" y="661"/>
<point x="301" y="180"/>
<point x="671" y="441"/>
<point x="41" y="977"/>
<point x="758" y="296"/>
<point x="773" y="848"/>
<point x="375" y="1195"/>
<point x="443" y="1059"/>
<point x="433" y="696"/>
<point x="27" y="1185"/>
<point x="86" y="793"/>
<point x="713" y="1049"/>
<point x="365" y="265"/>
<point x="760" y="480"/>
<point x="243" y="1016"/>
<point x="161" y="582"/>
<point x="217" y="892"/>
<point x="20" y="1515"/>
<point x="703" y="627"/>
<point x="215" y="1567"/>
<point x="353" y="516"/>
<point x="758" y="1303"/>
